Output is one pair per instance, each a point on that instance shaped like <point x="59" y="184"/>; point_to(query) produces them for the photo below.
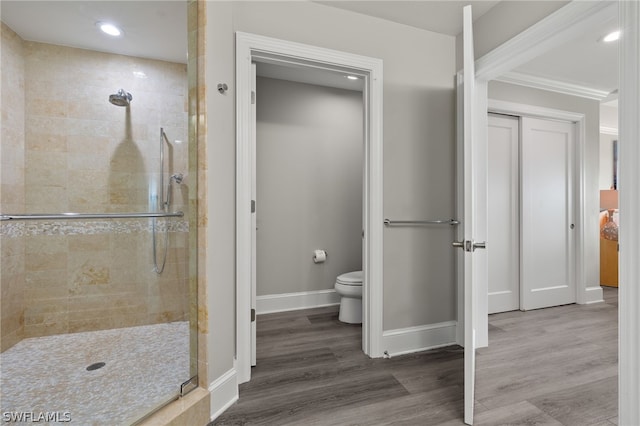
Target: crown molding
<point x="551" y="85"/>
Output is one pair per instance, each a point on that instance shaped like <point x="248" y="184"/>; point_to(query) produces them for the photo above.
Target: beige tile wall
<point x="84" y="154"/>
<point x="12" y="181"/>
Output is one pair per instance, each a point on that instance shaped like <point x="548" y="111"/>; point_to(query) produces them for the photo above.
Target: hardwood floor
<point x="555" y="366"/>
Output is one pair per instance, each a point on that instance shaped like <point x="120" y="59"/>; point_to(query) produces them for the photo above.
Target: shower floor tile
<point x="144" y="367"/>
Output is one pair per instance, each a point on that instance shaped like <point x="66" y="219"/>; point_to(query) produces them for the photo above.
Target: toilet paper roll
<point x="319" y="256"/>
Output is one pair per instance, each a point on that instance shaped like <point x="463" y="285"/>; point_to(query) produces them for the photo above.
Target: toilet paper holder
<point x="319" y="256"/>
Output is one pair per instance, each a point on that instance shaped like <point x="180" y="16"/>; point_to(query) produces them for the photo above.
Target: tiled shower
<point x="65" y="148"/>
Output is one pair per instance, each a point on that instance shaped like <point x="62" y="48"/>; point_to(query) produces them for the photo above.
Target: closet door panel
<point x="547" y="175"/>
<point x="503" y="234"/>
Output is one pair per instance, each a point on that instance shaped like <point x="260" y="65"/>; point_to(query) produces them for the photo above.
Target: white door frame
<point x="250" y="47"/>
<point x="559" y="27"/>
<point x="629" y="295"/>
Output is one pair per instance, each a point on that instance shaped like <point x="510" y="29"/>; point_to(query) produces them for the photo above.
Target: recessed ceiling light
<point x="110" y="29"/>
<point x="352" y="77"/>
<point x="615" y="35"/>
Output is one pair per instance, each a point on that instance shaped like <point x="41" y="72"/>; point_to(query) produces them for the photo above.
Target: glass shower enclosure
<point x="96" y="303"/>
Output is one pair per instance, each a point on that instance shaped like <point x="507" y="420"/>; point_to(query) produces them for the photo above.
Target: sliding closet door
<point x="504" y="213"/>
<point x="547" y="223"/>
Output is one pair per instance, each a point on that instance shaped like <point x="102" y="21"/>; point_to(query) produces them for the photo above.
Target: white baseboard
<point x="593" y="295"/>
<point x="293" y="301"/>
<point x="421" y="338"/>
<point x="224" y="393"/>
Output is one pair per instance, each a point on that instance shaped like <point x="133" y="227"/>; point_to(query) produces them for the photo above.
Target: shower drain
<point x="96" y="366"/>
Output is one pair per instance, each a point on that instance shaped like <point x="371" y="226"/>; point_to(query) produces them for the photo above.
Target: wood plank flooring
<point x="555" y="366"/>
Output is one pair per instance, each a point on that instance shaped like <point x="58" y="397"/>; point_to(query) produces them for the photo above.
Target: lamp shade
<point x="608" y="199"/>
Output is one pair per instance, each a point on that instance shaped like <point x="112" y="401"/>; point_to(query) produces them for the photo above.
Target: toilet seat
<point x="350" y="278"/>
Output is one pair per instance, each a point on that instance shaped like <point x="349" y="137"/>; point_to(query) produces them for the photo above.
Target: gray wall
<point x="219" y="166"/>
<point x="591" y="149"/>
<point x="419" y="144"/>
<point x="309" y="184"/>
<point x="419" y="155"/>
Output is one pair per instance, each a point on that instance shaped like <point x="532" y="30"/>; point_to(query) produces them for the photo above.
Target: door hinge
<point x="253" y="206"/>
<point x="253" y="315"/>
<point x="253" y="97"/>
<point x="189" y="385"/>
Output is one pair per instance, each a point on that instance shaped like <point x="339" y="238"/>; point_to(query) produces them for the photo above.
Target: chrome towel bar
<point x="59" y="216"/>
<point x="451" y="222"/>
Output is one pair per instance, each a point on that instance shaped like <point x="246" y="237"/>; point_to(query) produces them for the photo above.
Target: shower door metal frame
<point x="90" y="216"/>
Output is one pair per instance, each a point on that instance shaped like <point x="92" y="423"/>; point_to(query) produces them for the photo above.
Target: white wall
<point x="309" y="184"/>
<point x="525" y="95"/>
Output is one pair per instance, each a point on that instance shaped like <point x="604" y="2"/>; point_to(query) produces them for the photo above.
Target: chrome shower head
<point x="121" y="98"/>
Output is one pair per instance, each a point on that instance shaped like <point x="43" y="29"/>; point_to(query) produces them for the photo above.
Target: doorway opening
<point x="555" y="29"/>
<point x="307" y="180"/>
<point x="306" y="59"/>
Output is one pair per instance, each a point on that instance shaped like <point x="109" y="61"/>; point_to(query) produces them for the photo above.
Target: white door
<point x="474" y="200"/>
<point x="547" y="254"/>
<point x="503" y="183"/>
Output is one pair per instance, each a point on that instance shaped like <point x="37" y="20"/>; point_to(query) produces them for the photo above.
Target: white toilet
<point x="349" y="287"/>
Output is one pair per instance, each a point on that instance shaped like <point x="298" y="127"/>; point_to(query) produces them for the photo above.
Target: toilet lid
<point x="350" y="278"/>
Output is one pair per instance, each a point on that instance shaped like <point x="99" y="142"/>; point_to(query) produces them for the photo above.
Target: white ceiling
<point x="157" y="29"/>
<point x="152" y="29"/>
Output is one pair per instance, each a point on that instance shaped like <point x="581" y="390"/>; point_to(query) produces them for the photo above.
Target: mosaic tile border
<point x="93" y="227"/>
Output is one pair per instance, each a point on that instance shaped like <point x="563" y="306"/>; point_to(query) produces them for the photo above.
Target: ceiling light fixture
<point x="613" y="36"/>
<point x="110" y="29"/>
<point x="352" y="77"/>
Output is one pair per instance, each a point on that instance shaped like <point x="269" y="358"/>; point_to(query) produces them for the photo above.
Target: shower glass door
<point x="97" y="294"/>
